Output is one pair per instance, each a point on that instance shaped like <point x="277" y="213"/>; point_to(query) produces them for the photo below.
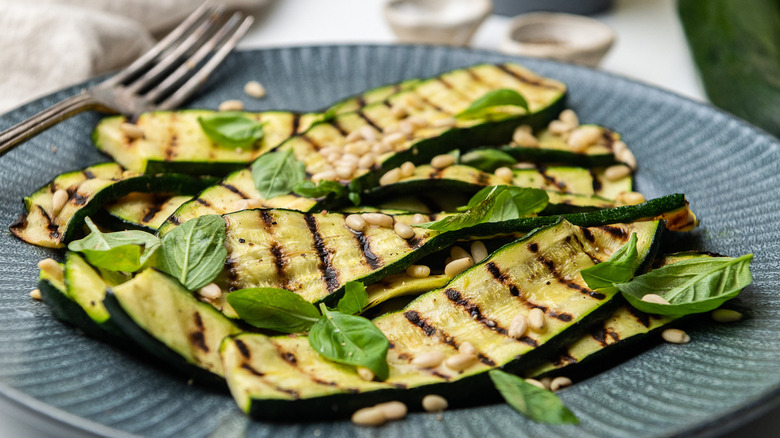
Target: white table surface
<point x="650" y="47"/>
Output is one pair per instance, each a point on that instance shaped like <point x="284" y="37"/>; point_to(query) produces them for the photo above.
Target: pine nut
<point x="559" y="383"/>
<point x="583" y="137"/>
<point x="369" y="417"/>
<point x="455" y="267"/>
<point x="131" y="131"/>
<point x="381" y="148"/>
<point x="505" y="174"/>
<point x="616" y="172"/>
<point x="231" y="105"/>
<point x="675" y="336"/>
<point x="434" y="403"/>
<point x="536" y="383"/>
<point x="344" y="172"/>
<point x="356" y="222"/>
<point x="51" y="268"/>
<point x="630" y="198"/>
<point x="365" y="374"/>
<point x="457" y="252"/>
<point x="627" y="157"/>
<point x="58" y="201"/>
<point x="569" y="117"/>
<point x="479" y="251"/>
<point x="417" y="122"/>
<point x="368" y="133"/>
<point x="448" y="122"/>
<point x="429" y="359"/>
<point x="327" y="175"/>
<point x="618" y="147"/>
<point x="354" y="136"/>
<point x="524" y="138"/>
<point x="418" y="271"/>
<point x="558" y="127"/>
<point x="35" y="294"/>
<point x="367" y="161"/>
<point x="350" y="158"/>
<point x="546" y="381"/>
<point x="407" y="169"/>
<point x="358" y="148"/>
<point x="518" y="327"/>
<point x="467" y="348"/>
<point x="254" y="89"/>
<point x="406" y="128"/>
<point x="404" y="231"/>
<point x="726" y="315"/>
<point x="378" y="219"/>
<point x="210" y="291"/>
<point x="460" y="361"/>
<point x="391" y="177"/>
<point x="655" y="299"/>
<point x="333" y="157"/>
<point x="524" y="165"/>
<point x="393" y="139"/>
<point x="536" y="320"/>
<point x="526" y="128"/>
<point x="412" y="100"/>
<point x="442" y="161"/>
<point x="393" y="410"/>
<point x="419" y="219"/>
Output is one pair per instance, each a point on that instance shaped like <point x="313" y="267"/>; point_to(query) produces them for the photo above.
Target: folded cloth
<point x="49" y="44"/>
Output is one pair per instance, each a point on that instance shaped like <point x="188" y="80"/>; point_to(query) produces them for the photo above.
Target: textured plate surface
<point x="729" y="171"/>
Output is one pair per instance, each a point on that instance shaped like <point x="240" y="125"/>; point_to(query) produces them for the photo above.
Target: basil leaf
<point x="277" y="173"/>
<point x="194" y="252"/>
<point x="487" y="160"/>
<point x="231" y="129"/>
<point x="691" y="286"/>
<point x="494" y="204"/>
<point x="274" y="309"/>
<point x="538" y="404"/>
<point x="354" y="197"/>
<point x="354" y="300"/>
<point x="309" y="189"/>
<point x="125" y="251"/>
<point x="492" y="99"/>
<point x="350" y="340"/>
<point x="618" y="269"/>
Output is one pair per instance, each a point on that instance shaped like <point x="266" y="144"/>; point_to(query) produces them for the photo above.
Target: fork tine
<point x="141" y="63"/>
<point x="170" y="60"/>
<point x="193" y="61"/>
<point x="189" y="87"/>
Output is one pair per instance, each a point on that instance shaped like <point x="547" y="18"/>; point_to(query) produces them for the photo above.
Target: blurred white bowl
<point x="450" y="22"/>
<point x="564" y="37"/>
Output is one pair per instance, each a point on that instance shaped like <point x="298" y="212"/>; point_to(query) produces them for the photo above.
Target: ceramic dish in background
<point x="448" y="22"/>
<point x="562" y="37"/>
<point x="729" y="171"/>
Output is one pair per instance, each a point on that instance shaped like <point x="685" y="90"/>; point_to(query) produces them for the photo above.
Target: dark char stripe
<point x="365" y="247"/>
<point x="198" y="338"/>
<point x="551" y="179"/>
<point x="615" y="232"/>
<point x="368" y="120"/>
<point x="414" y="317"/>
<point x="595" y="181"/>
<point x="234" y="189"/>
<point x="203" y="202"/>
<point x="154" y="208"/>
<point x="527" y="80"/>
<point x="504" y="279"/>
<point x="640" y="316"/>
<point x="564" y="359"/>
<point x="277" y="250"/>
<point x="550" y="265"/>
<point x="296" y="123"/>
<point x="291" y="392"/>
<point x="88" y="174"/>
<point x="335" y="123"/>
<point x="170" y="148"/>
<point x="243" y="348"/>
<point x="329" y="274"/>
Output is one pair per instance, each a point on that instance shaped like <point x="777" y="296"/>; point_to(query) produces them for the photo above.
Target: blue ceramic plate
<point x="729" y="170"/>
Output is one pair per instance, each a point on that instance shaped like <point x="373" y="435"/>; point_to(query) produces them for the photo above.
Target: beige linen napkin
<point x="49" y="44"/>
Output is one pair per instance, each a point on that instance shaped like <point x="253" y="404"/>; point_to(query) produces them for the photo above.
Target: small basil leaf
<point x="354" y="197"/>
<point x="691" y="286"/>
<point x="274" y="309"/>
<point x="494" y="204"/>
<point x="125" y="251"/>
<point x="504" y="207"/>
<point x="277" y="173"/>
<point x="309" y="189"/>
<point x="350" y="340"/>
<point x="354" y="300"/>
<point x="231" y="129"/>
<point x="487" y="160"/>
<point x="194" y="252"/>
<point x="618" y="269"/>
<point x="492" y="99"/>
<point x="477" y="214"/>
<point x="538" y="404"/>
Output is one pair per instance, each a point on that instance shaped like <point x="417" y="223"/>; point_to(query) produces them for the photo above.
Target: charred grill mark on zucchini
<point x="243" y="349"/>
<point x="203" y="202"/>
<point x="550" y="265"/>
<point x="600" y="335"/>
<point x="78" y="199"/>
<point x="291" y="392"/>
<point x="561" y="185"/>
<point x="151" y="211"/>
<point x="234" y="189"/>
<point x="88" y="174"/>
<point x="368" y="120"/>
<point x="414" y="317"/>
<point x="276" y="249"/>
<point x="336" y="123"/>
<point x="365" y="247"/>
<point x="504" y="279"/>
<point x="295" y="123"/>
<point x="615" y="232"/>
<point x="564" y="359"/>
<point x="198" y="338"/>
<point x="596" y="181"/>
<point x="522" y="78"/>
<point x="329" y="274"/>
<point x="642" y="317"/>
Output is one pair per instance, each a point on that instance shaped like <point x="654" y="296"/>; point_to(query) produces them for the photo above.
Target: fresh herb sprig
<point x="493" y="204"/>
<point x="491" y="101"/>
<point x="277" y="173"/>
<point x="336" y="334"/>
<point x="538" y="404"/>
<point x="690" y="286"/>
<point x="487" y="160"/>
<point x="125" y="251"/>
<point x="194" y="252"/>
<point x="231" y="129"/>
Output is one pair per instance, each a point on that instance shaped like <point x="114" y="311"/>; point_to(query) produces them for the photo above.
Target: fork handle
<point x="46" y="119"/>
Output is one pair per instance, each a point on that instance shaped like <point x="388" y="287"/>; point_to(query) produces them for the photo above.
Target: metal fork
<point x="161" y="79"/>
